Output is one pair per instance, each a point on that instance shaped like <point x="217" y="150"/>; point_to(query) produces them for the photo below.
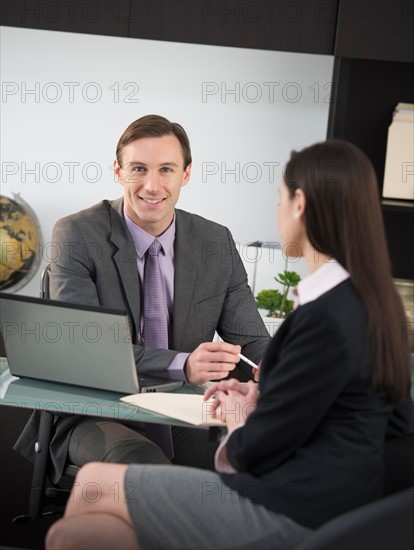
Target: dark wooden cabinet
<point x="106" y="17"/>
<point x="306" y="26"/>
<point x="376" y="29"/>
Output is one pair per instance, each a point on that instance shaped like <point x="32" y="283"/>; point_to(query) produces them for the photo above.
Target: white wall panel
<point x="66" y="99"/>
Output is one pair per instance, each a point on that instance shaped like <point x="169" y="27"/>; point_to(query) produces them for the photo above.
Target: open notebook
<point x="185" y="407"/>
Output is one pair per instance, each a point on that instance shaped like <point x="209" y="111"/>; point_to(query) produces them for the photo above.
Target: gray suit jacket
<point x="96" y="265"/>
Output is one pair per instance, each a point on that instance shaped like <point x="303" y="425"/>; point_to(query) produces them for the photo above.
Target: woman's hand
<point x="234" y="401"/>
<point x="256" y="372"/>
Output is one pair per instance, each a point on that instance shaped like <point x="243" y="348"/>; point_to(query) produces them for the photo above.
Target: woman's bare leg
<point x="96" y="514"/>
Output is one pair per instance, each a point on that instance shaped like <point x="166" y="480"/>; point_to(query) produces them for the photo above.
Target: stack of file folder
<point x="399" y="164"/>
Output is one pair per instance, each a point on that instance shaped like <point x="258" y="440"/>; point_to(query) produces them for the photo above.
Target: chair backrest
<point x="383" y="524"/>
<point x="44" y="283"/>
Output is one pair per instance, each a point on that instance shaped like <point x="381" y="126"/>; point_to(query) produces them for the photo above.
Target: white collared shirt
<point x="329" y="275"/>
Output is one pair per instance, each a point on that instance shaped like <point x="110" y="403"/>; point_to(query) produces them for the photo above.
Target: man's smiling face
<point x="152" y="175"/>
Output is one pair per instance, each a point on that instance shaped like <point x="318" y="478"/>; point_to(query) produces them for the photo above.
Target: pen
<point x="248" y="361"/>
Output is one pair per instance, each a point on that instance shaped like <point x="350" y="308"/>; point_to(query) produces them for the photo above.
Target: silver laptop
<point x="72" y="344"/>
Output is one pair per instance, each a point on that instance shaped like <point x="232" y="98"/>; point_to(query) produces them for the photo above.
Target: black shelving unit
<point x="373" y="71"/>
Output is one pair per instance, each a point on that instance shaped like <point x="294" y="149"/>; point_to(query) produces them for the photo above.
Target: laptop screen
<point x="68" y="343"/>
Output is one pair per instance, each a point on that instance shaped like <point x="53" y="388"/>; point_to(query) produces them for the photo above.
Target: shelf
<point x="398" y="206"/>
<point x="367" y="92"/>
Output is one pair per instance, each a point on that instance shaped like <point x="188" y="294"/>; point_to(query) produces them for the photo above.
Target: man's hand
<point x="211" y="361"/>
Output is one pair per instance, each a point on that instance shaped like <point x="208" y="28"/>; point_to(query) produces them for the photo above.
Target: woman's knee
<point x="90" y="473"/>
<point x="100" y="474"/>
<point x="94" y="486"/>
<point x="56" y="537"/>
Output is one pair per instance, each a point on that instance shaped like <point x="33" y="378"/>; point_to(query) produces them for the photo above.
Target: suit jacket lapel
<point x="125" y="260"/>
<point x="185" y="275"/>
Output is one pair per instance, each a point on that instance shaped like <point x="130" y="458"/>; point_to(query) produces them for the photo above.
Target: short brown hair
<point x="154" y="126"/>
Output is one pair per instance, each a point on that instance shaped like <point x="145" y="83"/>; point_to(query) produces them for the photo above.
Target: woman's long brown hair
<point x="343" y="219"/>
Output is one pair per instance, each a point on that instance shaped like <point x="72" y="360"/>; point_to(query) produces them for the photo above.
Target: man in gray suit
<point x="101" y="261"/>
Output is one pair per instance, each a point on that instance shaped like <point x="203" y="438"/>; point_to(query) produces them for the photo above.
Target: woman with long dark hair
<point x="306" y="443"/>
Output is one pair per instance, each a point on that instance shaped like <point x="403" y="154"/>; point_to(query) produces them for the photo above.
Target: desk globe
<point x="21" y="243"/>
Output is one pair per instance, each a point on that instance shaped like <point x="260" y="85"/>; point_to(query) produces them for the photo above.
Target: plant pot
<point x="271" y="323"/>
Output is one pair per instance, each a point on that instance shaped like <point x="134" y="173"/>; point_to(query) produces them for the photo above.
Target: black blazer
<point x="313" y="448"/>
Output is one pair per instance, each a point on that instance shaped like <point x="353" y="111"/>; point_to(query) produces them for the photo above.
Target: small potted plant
<point x="276" y="303"/>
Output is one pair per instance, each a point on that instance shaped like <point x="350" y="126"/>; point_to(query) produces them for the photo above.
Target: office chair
<point x="57" y="494"/>
<point x="399" y="464"/>
<point x="44" y="283"/>
<point x="43" y="493"/>
<point x="383" y="524"/>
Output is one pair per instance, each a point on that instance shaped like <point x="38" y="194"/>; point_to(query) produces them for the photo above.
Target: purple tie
<point x="155" y="332"/>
